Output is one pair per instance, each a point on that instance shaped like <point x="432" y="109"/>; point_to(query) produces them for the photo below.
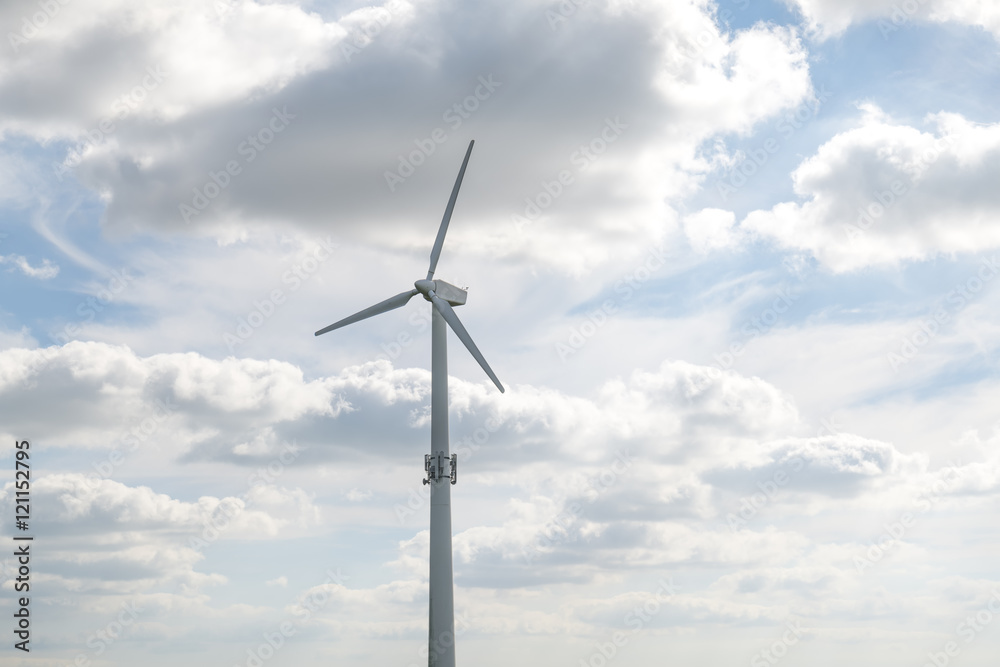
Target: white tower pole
<point x="441" y="640"/>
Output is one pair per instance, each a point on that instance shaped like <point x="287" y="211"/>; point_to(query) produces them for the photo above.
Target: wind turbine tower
<point x="440" y="466"/>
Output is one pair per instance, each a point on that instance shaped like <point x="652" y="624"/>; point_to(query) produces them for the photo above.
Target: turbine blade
<point x="448" y="313"/>
<point x="397" y="301"/>
<point x="439" y="241"/>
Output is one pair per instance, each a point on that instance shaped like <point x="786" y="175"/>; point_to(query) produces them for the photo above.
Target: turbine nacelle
<point x="455" y="296"/>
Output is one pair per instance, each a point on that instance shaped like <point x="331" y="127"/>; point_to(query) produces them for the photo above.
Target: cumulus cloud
<point x="884" y="192"/>
<point x="105" y="536"/>
<point x="585" y="176"/>
<point x="106" y="389"/>
<point x="711" y="229"/>
<point x="827" y="18"/>
<point x="112" y="547"/>
<point x="184" y="57"/>
<point x="245" y="409"/>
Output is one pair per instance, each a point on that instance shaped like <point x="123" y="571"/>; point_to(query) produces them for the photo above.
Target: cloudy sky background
<point x="749" y="340"/>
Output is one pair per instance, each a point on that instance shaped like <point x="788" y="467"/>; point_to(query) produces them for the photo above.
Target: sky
<point x="735" y="264"/>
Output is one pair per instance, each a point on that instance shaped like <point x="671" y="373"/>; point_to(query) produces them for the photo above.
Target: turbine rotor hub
<point x="425" y="287"/>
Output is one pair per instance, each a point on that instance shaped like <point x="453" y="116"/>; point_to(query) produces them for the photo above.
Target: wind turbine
<point x="442" y="295"/>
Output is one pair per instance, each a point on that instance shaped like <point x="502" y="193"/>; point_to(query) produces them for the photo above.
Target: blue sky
<point x="733" y="262"/>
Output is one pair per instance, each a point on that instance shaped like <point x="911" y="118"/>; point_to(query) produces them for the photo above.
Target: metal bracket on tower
<point x="434" y="466"/>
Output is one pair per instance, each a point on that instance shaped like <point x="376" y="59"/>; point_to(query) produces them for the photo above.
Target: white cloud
<point x="358" y="495"/>
<point x="105" y="536"/>
<point x="827" y="18"/>
<point x="737" y="81"/>
<point x="244" y="409"/>
<point x="106" y="388"/>
<point x="183" y="56"/>
<point x="883" y="193"/>
<point x="711" y="229"/>
<point x="46" y="271"/>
